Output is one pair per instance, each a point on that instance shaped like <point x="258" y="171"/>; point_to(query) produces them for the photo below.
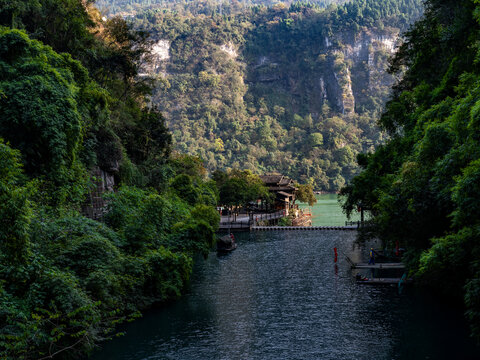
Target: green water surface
<point x="328" y="212"/>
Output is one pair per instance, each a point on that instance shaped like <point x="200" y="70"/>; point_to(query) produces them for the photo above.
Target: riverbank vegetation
<point x="423" y="186"/>
<point x="70" y="102"/>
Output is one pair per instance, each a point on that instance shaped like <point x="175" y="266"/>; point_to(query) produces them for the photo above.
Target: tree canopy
<point x="71" y="106"/>
<point x="238" y="188"/>
<point x="44" y="108"/>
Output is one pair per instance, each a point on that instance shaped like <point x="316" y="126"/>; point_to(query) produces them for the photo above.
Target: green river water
<point x="327" y="211"/>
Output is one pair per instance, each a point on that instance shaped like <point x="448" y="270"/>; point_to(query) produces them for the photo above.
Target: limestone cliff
<point x="339" y="76"/>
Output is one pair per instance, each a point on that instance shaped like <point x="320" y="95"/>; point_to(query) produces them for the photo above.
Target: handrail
<point x="256" y="219"/>
<point x="236" y="225"/>
<point x="270" y="216"/>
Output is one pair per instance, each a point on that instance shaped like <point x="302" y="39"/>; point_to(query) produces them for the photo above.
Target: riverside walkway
<point x="244" y="222"/>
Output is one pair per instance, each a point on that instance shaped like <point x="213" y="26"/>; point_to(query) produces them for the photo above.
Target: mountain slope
<point x="291" y="89"/>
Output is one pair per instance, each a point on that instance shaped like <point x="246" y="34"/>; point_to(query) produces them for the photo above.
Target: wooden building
<point x="284" y="190"/>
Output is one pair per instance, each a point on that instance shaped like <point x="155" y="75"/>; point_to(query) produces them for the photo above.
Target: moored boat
<point x="226" y="244"/>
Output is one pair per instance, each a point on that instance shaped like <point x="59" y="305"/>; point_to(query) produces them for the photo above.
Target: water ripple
<point x="279" y="296"/>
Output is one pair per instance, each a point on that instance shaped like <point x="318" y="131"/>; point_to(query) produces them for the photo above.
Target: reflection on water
<point x="280" y="296"/>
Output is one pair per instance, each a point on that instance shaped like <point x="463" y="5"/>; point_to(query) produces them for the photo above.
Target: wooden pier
<point x="384" y="281"/>
<point x="247" y="222"/>
<point x="384" y="266"/>
<point x="248" y="227"/>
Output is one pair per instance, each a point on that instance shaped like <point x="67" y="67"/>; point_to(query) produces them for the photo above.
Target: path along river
<point x="280" y="296"/>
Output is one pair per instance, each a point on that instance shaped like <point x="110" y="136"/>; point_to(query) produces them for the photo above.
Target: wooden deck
<point x="383" y="281"/>
<point x="385" y="266"/>
<point x="246" y="223"/>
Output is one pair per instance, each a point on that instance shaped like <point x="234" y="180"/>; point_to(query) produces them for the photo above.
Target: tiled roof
<point x="285" y="181"/>
<point x="271" y="179"/>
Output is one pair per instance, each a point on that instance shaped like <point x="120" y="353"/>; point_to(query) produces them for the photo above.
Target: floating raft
<point x="287" y="228"/>
<point x="385" y="266"/>
<point x="384" y="281"/>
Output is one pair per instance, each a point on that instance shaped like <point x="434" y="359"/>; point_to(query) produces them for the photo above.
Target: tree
<point x="66" y="281"/>
<point x="316" y="139"/>
<point x="305" y="194"/>
<point x="39" y="107"/>
<point x="64" y="25"/>
<point x="183" y="186"/>
<point x="238" y="188"/>
<point x="148" y="138"/>
<point x="15" y="210"/>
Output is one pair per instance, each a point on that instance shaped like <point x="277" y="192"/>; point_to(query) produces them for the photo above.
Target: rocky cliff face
<point x="340" y="76"/>
<point x="158" y="60"/>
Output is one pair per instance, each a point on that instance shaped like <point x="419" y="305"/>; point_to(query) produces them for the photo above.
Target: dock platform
<point x="384" y="266"/>
<point x="383" y="281"/>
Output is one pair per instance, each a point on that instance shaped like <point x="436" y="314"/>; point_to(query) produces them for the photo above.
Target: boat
<point x="226" y="244"/>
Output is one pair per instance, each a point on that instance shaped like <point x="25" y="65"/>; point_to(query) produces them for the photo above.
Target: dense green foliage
<point x="422" y="186"/>
<point x="66" y="281"/>
<point x="305" y="194"/>
<point x="15" y="209"/>
<point x="46" y="105"/>
<point x="205" y="7"/>
<point x="239" y="188"/>
<point x="294" y="90"/>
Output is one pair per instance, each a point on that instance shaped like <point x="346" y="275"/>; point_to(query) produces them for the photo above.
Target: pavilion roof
<point x="272" y="179"/>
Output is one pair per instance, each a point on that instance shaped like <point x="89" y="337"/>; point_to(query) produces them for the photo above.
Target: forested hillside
<point x="295" y="89"/>
<point x="423" y="186"/>
<point x="206" y="7"/>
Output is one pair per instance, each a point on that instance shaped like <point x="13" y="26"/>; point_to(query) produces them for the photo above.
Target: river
<point x="280" y="296"/>
<point x="327" y="211"/>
